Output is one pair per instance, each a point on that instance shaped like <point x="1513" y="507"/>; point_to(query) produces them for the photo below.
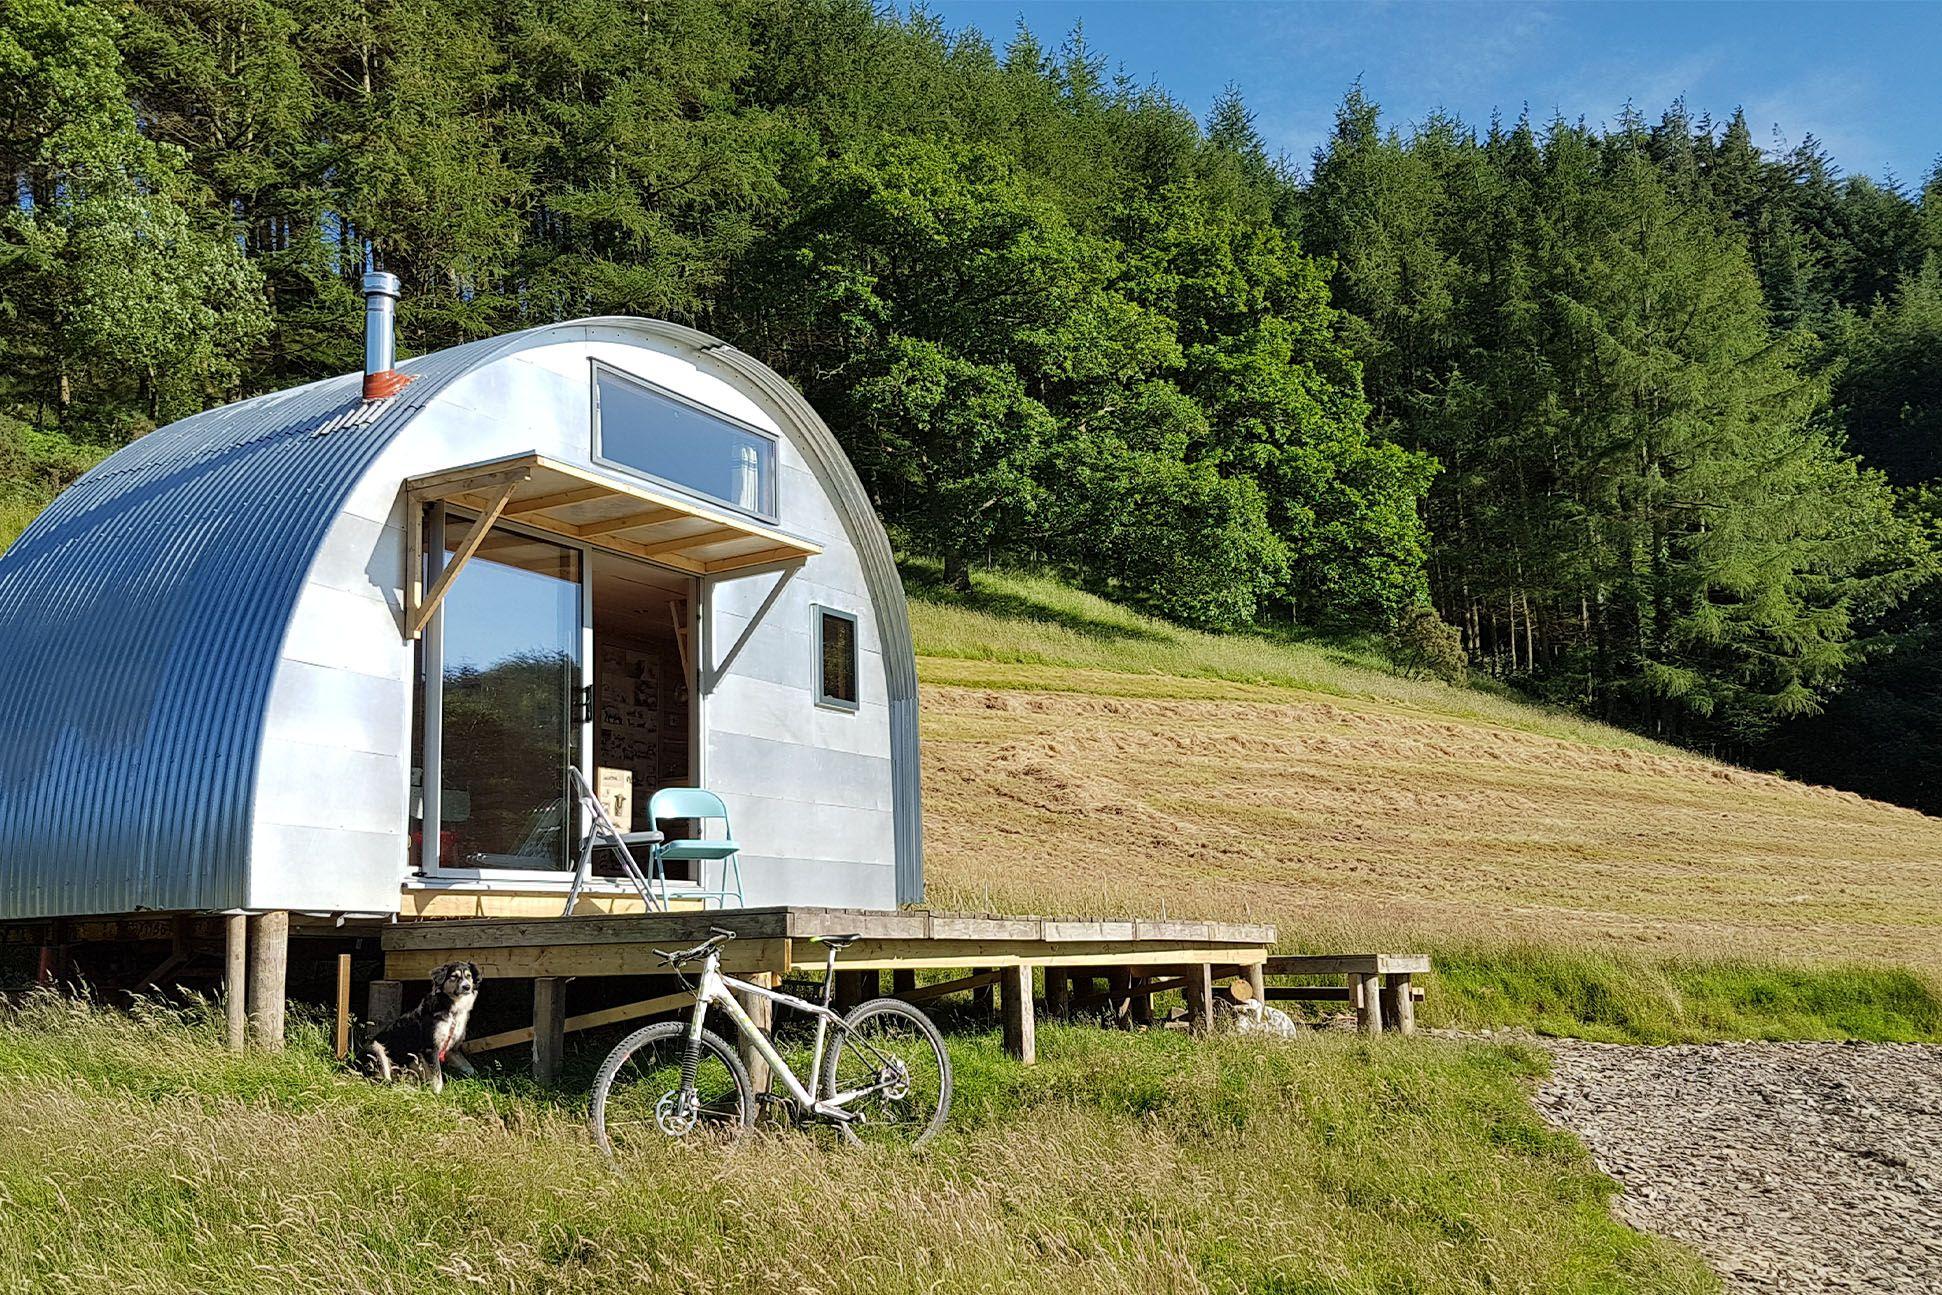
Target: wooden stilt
<point x="342" y="1038"/>
<point x="385" y="1003"/>
<point x="1139" y="1006"/>
<point x="1021" y="1031"/>
<point x="903" y="980"/>
<point x="1119" y="997"/>
<point x="762" y="1012"/>
<point x="549" y="1027"/>
<point x="853" y="987"/>
<point x="269" y="968"/>
<point x="181" y="951"/>
<point x="1257" y="980"/>
<point x="1399" y="1003"/>
<point x="235" y="978"/>
<point x="1200" y="997"/>
<point x="1058" y="991"/>
<point x="1368" y="1001"/>
<point x="984" y="1000"/>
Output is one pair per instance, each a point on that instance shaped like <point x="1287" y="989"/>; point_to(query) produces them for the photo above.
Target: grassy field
<point x="140" y="1157"/>
<point x="1081" y="759"/>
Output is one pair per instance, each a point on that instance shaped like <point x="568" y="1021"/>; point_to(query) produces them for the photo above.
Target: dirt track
<point x="1791" y="1167"/>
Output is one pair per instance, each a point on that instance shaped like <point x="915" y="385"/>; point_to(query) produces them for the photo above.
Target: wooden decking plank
<point x="1347" y="964"/>
<point x="609" y="959"/>
<point x="807" y="923"/>
<point x="945" y="927"/>
<point x="1062" y="929"/>
<point x="666" y="929"/>
<point x="1241" y="933"/>
<point x="1183" y="932"/>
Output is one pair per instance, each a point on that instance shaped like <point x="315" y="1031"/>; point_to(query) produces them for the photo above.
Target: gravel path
<point x="1790" y="1167"/>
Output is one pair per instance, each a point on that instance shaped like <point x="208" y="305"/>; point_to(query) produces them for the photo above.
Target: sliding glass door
<point x="509" y="659"/>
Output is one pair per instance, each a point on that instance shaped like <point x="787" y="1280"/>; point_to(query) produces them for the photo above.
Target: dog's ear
<point x="439" y="974"/>
<point x="477" y="979"/>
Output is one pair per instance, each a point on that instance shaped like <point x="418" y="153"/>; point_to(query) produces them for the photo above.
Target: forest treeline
<point x="1650" y="415"/>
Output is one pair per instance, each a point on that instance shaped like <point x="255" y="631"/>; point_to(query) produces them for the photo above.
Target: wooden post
<point x="983" y="1000"/>
<point x="1399" y="1004"/>
<point x="1058" y="991"/>
<point x="385" y="1003"/>
<point x="549" y="1027"/>
<point x="853" y="987"/>
<point x="1363" y="987"/>
<point x="1021" y="1032"/>
<point x="762" y="1012"/>
<point x="1257" y="980"/>
<point x="269" y="968"/>
<point x="1200" y="997"/>
<point x="903" y="980"/>
<point x="1119" y="996"/>
<point x="1139" y="1008"/>
<point x="343" y="1037"/>
<point x="235" y="978"/>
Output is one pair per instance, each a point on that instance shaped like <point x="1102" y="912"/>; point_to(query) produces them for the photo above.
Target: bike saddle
<point x="839" y="941"/>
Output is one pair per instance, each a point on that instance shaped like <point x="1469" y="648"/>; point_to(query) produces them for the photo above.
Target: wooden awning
<point x="627" y="517"/>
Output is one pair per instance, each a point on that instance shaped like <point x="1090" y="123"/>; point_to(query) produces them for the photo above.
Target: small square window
<point x="835" y="659"/>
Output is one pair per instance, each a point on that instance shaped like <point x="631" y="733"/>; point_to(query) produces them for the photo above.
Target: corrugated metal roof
<point x="140" y="620"/>
<point x="141" y="616"/>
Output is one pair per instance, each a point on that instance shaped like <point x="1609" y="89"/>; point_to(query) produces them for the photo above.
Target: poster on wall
<point x="642" y="712"/>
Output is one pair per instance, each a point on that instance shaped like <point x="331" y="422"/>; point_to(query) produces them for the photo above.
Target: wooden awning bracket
<point x="422" y="603"/>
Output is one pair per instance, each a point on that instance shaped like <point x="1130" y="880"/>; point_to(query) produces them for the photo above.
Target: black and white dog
<point x="429" y="1035"/>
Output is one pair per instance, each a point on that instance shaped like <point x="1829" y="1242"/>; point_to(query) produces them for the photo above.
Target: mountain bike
<point x="878" y="1074"/>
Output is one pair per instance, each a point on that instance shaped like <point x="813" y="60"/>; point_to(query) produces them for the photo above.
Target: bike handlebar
<point x="702" y="950"/>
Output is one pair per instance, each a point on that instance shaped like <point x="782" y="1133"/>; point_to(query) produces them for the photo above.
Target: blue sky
<point x="1866" y="78"/>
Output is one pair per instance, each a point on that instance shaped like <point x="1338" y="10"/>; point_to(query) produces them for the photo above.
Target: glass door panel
<point x="511" y="674"/>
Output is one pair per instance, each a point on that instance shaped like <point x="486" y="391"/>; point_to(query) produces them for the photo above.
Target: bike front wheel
<point x="637" y="1096"/>
<point x="893" y="1057"/>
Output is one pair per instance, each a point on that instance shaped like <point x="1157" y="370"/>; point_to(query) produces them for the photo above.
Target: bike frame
<point x="717" y="990"/>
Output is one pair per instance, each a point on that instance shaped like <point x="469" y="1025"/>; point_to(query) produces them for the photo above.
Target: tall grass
<point x="141" y="1157"/>
<point x="1596" y="994"/>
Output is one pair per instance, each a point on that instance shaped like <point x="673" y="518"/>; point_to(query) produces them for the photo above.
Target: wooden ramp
<point x="772" y="942"/>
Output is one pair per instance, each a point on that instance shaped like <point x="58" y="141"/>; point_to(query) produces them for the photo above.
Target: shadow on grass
<point x="924" y="581"/>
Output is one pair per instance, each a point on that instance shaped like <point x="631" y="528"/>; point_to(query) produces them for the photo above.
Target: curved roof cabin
<point x="245" y="661"/>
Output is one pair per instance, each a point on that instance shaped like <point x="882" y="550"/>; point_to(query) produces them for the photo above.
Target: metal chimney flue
<point x="381" y="377"/>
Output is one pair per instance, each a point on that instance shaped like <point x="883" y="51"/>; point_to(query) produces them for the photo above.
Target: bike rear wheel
<point x="636" y="1095"/>
<point x="888" y="1040"/>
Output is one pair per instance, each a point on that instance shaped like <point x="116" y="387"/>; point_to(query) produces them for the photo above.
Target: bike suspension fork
<point x="691" y="1048"/>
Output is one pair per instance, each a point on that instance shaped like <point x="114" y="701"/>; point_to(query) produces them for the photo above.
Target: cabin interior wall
<point x="644" y="694"/>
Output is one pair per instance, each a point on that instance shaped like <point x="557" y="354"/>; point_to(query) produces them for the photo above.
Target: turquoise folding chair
<point x="705" y="806"/>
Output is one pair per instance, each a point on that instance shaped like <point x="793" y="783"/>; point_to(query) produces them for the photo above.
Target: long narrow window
<point x="836" y="659"/>
<point x="658" y="434"/>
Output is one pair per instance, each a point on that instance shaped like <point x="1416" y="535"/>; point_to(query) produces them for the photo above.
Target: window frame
<point x="819" y="614"/>
<point x="600" y="368"/>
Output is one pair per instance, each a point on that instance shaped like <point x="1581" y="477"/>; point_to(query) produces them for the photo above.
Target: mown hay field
<point x="1078" y="759"/>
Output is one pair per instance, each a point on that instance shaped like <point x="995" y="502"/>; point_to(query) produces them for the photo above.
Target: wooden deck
<point x="772" y="942"/>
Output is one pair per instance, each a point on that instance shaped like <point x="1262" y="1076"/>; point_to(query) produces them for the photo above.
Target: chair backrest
<point x="686" y="802"/>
